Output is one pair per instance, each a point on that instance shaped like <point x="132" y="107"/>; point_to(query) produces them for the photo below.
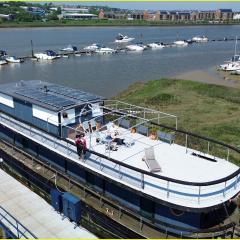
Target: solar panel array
<point x="45" y="98"/>
<point x="73" y="93"/>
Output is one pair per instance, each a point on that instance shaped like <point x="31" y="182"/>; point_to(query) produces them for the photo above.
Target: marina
<point x="123" y="68"/>
<point x="156" y="176"/>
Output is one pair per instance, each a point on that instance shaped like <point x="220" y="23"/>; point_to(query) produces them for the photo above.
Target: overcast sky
<point x="166" y="5"/>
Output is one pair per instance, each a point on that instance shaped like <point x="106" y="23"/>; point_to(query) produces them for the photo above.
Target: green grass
<point x="98" y="22"/>
<point x="205" y="109"/>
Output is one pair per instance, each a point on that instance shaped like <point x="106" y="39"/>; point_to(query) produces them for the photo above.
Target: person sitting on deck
<point x="81" y="145"/>
<point x="112" y="134"/>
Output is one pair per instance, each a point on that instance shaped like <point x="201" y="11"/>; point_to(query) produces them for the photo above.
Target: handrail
<point x="222" y="180"/>
<point x="16" y="225"/>
<point x="129" y="211"/>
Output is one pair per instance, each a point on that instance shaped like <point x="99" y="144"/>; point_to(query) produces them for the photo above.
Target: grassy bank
<point x="206" y="109"/>
<point x="107" y="23"/>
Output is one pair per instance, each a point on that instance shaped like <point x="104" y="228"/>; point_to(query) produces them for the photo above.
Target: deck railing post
<point x="167" y="189"/>
<point x="224" y="190"/>
<point x="176" y="123"/>
<point x="235" y="185"/>
<point x="199" y="194"/>
<point x="227" y="154"/>
<point x="208" y="147"/>
<point x="119" y="171"/>
<point x="186" y="142"/>
<point x="142" y="180"/>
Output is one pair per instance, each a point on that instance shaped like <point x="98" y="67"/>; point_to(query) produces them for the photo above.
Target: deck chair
<point x="124" y="123"/>
<point x="151" y="161"/>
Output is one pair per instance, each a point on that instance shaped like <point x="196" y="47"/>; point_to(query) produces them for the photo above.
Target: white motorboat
<point x="155" y="45"/>
<point x="200" y="39"/>
<point x="2" y="62"/>
<point x="13" y="59"/>
<point x="136" y="47"/>
<point x="231" y="66"/>
<point x="47" y="55"/>
<point x="69" y="48"/>
<point x="180" y="43"/>
<point x="92" y="47"/>
<point x="105" y="50"/>
<point x="123" y="39"/>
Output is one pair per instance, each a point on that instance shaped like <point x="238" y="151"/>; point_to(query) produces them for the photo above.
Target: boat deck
<point x="173" y="159"/>
<point x="175" y="162"/>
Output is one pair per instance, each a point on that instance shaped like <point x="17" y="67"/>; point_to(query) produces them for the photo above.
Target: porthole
<point x="176" y="212"/>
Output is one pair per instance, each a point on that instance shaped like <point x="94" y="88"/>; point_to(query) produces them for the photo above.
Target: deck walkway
<point x="173" y="164"/>
<point x="34" y="213"/>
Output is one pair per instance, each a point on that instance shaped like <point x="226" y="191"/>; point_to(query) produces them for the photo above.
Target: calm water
<point x="108" y="75"/>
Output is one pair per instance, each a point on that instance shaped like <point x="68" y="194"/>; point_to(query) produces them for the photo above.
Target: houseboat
<point x="156" y="180"/>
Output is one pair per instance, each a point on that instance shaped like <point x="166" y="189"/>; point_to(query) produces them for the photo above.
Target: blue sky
<point x="167" y="5"/>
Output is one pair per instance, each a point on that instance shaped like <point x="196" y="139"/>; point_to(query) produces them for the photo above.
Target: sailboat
<point x="234" y="63"/>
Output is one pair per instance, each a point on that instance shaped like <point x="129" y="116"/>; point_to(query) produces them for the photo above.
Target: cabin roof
<point x="48" y="95"/>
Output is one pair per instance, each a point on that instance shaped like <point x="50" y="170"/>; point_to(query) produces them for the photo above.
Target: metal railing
<point x="13" y="226"/>
<point x="189" y="193"/>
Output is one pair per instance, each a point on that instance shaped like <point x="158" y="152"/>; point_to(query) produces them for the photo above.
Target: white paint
<point x="6" y="100"/>
<point x="96" y="110"/>
<point x="45" y="115"/>
<point x="70" y="119"/>
<point x="236" y="16"/>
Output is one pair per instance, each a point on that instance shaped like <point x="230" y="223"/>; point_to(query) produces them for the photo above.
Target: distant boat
<point x="3" y="62"/>
<point x="180" y="43"/>
<point x="136" y="47"/>
<point x="200" y="39"/>
<point x="92" y="47"/>
<point x="69" y="48"/>
<point x="123" y="39"/>
<point x="13" y="59"/>
<point x="231" y="66"/>
<point x="156" y="45"/>
<point x="47" y="55"/>
<point x="233" y="63"/>
<point x="105" y="50"/>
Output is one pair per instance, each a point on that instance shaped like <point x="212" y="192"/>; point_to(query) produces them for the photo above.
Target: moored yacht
<point x="123" y="39"/>
<point x="180" y="43"/>
<point x="136" y="47"/>
<point x="175" y="184"/>
<point x="104" y="50"/>
<point x="47" y="55"/>
<point x="3" y="62"/>
<point x="156" y="45"/>
<point x="92" y="47"/>
<point x="200" y="39"/>
<point x="13" y="59"/>
<point x="69" y="48"/>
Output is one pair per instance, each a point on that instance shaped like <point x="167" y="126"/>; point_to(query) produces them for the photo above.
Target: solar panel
<point x="46" y="98"/>
<point x="73" y="93"/>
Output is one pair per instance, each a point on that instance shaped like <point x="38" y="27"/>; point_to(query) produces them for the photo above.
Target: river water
<point x="109" y="74"/>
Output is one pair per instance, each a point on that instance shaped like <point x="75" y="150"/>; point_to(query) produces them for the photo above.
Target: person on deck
<point x="81" y="145"/>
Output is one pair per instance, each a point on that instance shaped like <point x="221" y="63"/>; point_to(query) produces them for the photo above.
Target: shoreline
<point x="103" y="24"/>
<point x="211" y="77"/>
